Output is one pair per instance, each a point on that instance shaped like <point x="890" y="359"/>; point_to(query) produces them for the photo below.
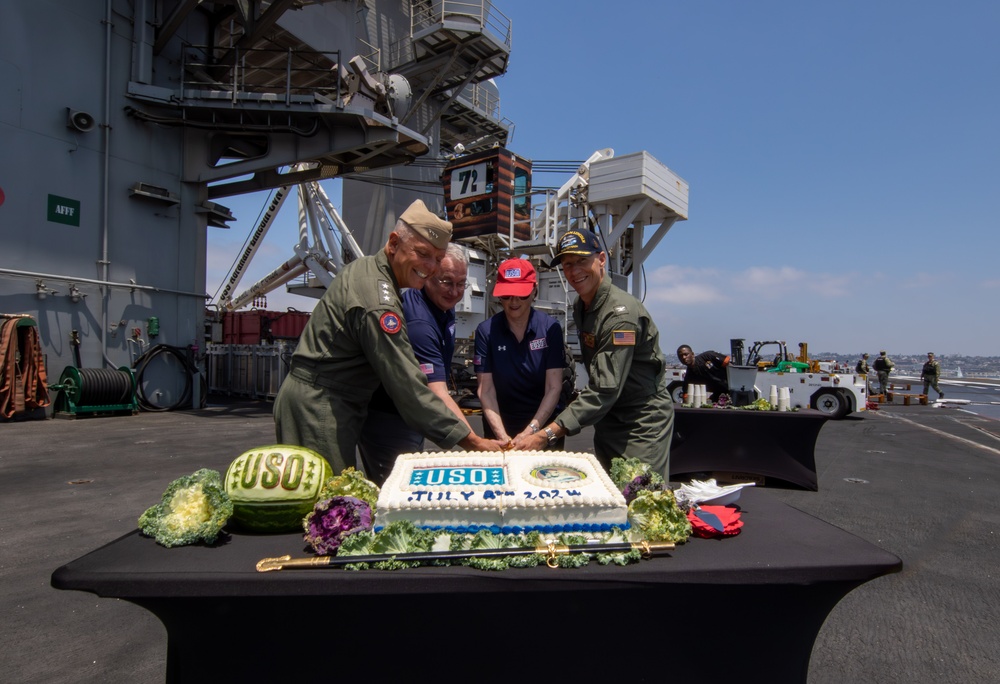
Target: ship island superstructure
<point x="122" y="146"/>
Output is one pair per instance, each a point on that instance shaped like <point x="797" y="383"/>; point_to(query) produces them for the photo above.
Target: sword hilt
<point x="282" y="562"/>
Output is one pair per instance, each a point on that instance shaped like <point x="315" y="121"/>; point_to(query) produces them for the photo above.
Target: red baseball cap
<point x="515" y="277"/>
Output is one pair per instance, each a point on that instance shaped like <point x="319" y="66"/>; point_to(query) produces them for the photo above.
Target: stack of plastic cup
<point x="773" y="397"/>
<point x="784" y="399"/>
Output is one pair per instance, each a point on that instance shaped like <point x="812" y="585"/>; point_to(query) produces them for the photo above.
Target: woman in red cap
<point x="520" y="358"/>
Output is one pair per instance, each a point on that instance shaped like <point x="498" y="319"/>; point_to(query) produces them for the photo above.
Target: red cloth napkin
<point x="729" y="516"/>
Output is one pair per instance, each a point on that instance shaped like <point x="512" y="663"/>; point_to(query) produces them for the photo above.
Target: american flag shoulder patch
<point x="427" y="368"/>
<point x="624" y="338"/>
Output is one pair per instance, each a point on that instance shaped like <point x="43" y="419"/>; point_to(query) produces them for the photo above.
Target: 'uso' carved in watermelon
<point x="273" y="487"/>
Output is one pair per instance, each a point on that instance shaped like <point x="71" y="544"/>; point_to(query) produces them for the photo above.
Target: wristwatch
<point x="534" y="427"/>
<point x="551" y="435"/>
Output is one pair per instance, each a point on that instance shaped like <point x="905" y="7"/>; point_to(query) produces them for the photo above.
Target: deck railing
<point x="273" y="75"/>
<point x="426" y="13"/>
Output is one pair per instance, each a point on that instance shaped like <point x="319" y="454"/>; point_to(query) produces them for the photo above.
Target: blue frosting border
<point x="517" y="529"/>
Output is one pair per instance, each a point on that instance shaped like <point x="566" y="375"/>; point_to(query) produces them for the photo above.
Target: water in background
<point x="983" y="395"/>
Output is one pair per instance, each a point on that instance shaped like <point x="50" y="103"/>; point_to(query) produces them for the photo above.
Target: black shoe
<point x="940" y="396"/>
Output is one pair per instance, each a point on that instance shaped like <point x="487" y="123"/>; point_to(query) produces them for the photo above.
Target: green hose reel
<point x="96" y="391"/>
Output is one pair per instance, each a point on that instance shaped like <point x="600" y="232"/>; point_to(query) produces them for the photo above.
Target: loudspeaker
<point x="81" y="121"/>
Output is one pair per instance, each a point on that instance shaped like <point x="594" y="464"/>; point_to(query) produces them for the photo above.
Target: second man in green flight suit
<point x="626" y="399"/>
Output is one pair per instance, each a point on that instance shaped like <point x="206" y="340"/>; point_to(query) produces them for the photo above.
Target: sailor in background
<point x="626" y="398"/>
<point x="707" y="368"/>
<point x="883" y="366"/>
<point x="930" y="374"/>
<point x="356" y="340"/>
<point x="862" y="369"/>
<point x="430" y="325"/>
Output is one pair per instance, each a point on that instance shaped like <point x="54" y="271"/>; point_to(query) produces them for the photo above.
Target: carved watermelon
<point x="273" y="487"/>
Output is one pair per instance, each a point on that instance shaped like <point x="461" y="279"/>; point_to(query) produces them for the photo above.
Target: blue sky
<point x="841" y="157"/>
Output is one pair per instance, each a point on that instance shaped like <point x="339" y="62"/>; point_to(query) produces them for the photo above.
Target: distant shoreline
<point x="951" y="379"/>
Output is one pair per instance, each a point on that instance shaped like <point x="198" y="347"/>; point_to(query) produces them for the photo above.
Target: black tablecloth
<point x="765" y="593"/>
<point x="777" y="445"/>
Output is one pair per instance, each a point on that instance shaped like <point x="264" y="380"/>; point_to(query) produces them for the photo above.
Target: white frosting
<point x="514" y="489"/>
<point x="404" y="497"/>
<point x="548" y="492"/>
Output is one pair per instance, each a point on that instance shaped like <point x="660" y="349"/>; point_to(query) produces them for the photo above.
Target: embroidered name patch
<point x="624" y="338"/>
<point x="535" y="345"/>
<point x="390" y="322"/>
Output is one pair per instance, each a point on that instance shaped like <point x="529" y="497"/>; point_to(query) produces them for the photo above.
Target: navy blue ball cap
<point x="579" y="243"/>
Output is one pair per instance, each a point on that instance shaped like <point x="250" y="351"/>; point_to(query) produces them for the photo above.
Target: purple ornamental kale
<point x="638" y="484"/>
<point x="332" y="520"/>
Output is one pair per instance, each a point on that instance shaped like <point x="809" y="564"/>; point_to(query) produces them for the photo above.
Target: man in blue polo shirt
<point x="519" y="359"/>
<point x="430" y="325"/>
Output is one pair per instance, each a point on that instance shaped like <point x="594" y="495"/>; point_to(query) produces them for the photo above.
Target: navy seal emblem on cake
<point x="558" y="474"/>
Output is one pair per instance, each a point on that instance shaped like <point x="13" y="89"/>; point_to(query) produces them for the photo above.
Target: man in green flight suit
<point x="861" y="368"/>
<point x="356" y="340"/>
<point x="883" y="366"/>
<point x="626" y="398"/>
<point x="930" y="374"/>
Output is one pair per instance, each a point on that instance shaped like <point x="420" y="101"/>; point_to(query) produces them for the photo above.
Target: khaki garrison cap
<point x="435" y="229"/>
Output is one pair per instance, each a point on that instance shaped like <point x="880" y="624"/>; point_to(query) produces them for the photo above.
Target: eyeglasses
<point x="449" y="285"/>
<point x="507" y="298"/>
